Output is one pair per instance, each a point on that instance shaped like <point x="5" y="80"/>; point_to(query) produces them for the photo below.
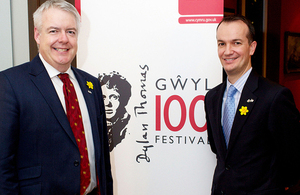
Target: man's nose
<point x="63" y="37"/>
<point x="228" y="50"/>
<point x="108" y="104"/>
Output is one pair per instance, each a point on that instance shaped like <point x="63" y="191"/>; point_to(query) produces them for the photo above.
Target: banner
<point x="155" y="61"/>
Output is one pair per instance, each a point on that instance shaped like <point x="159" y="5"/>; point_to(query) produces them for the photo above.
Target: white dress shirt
<point x="58" y="85"/>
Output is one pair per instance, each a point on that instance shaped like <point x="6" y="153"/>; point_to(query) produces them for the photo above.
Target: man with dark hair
<point x="53" y="134"/>
<point x="116" y="94"/>
<point x="252" y="123"/>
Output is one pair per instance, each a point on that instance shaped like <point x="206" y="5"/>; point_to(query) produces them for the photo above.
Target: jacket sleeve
<point x="209" y="130"/>
<point x="284" y="125"/>
<point x="9" y="134"/>
<point x="104" y="142"/>
<point x="109" y="181"/>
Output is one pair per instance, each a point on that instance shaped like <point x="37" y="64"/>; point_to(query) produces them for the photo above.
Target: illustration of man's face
<point x="111" y="101"/>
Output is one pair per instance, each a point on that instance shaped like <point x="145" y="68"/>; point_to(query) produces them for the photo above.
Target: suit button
<point x="76" y="163"/>
<point x="227" y="168"/>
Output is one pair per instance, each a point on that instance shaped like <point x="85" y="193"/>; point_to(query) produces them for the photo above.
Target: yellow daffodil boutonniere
<point x="243" y="110"/>
<point x="90" y="84"/>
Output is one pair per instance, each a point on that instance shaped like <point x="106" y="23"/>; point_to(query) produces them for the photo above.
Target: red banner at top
<point x="77" y="6"/>
<point x="200" y="7"/>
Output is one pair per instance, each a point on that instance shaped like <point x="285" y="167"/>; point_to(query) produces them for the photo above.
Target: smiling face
<point x="57" y="38"/>
<point x="234" y="49"/>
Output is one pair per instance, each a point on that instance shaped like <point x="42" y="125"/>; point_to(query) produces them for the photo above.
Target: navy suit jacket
<point x="39" y="154"/>
<point x="263" y="152"/>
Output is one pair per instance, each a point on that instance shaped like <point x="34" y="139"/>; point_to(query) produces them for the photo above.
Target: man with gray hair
<point x="53" y="133"/>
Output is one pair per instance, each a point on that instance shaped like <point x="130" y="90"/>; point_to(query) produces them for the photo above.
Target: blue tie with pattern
<point x="229" y="113"/>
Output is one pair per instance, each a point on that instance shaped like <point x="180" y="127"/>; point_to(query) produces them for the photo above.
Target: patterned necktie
<point x="229" y="113"/>
<point x="75" y="119"/>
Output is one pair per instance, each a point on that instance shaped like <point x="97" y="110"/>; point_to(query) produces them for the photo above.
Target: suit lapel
<point x="218" y="103"/>
<point x="42" y="81"/>
<point x="247" y="101"/>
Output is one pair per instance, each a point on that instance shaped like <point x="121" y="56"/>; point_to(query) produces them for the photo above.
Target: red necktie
<point x="75" y="119"/>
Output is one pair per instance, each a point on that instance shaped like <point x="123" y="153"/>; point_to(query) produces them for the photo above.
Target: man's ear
<point x="37" y="35"/>
<point x="253" y="47"/>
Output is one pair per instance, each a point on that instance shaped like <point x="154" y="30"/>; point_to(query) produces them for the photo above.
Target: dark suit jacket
<point x="39" y="154"/>
<point x="263" y="152"/>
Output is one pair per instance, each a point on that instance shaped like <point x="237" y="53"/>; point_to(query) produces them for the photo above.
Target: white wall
<point x="14" y="47"/>
<point x="20" y="32"/>
<point x="6" y="57"/>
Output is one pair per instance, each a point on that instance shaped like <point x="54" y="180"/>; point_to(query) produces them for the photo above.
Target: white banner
<point x="156" y="60"/>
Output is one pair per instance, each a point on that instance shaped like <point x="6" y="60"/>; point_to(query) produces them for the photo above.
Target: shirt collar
<point x="239" y="84"/>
